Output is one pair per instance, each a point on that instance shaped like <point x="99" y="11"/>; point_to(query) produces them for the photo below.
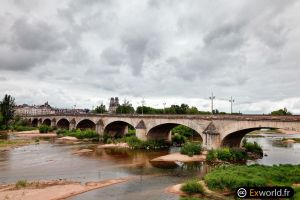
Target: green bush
<point x="238" y="154"/>
<point x="192" y="187"/>
<point x="253" y="147"/>
<point x="211" y="155"/>
<point x="178" y="139"/>
<point x="45" y="129"/>
<point x="233" y="176"/>
<point x="224" y="154"/>
<point x="80" y="134"/>
<point x="183" y="130"/>
<point x="21" y="184"/>
<point x="22" y="128"/>
<point x="227" y="154"/>
<point x="191" y="148"/>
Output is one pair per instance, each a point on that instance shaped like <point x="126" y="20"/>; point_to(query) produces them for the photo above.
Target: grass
<point x="21" y="184"/>
<point x="192" y="187"/>
<point x="20" y="128"/>
<point x="136" y="143"/>
<point x="80" y="134"/>
<point x="10" y="143"/>
<point x="45" y="129"/>
<point x="232" y="176"/>
<point x="191" y="148"/>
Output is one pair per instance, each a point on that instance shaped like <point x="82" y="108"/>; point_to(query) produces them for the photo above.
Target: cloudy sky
<point x="85" y="51"/>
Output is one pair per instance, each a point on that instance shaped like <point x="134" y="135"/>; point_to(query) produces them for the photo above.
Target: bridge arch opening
<point x="86" y="124"/>
<point x="35" y="122"/>
<point x="234" y="139"/>
<point x="47" y="122"/>
<point x="118" y="129"/>
<point x="63" y="124"/>
<point x="165" y="131"/>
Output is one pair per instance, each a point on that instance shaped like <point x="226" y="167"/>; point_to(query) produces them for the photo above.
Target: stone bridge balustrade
<point x="215" y="130"/>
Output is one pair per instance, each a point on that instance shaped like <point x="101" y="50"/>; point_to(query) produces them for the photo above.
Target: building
<point x="27" y="110"/>
<point x="113" y="105"/>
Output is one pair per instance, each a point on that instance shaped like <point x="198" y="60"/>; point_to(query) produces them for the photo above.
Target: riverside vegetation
<point x="226" y="178"/>
<point x="79" y="134"/>
<point x="249" y="150"/>
<point x="230" y="177"/>
<point x="135" y="143"/>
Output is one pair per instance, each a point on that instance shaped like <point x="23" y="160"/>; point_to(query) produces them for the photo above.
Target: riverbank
<point x="178" y="157"/>
<point x="52" y="190"/>
<point x="33" y="134"/>
<point x="6" y="145"/>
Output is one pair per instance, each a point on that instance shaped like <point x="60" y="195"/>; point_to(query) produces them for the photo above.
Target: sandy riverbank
<point x="118" y="145"/>
<point x="33" y="134"/>
<point x="288" y="131"/>
<point x="177" y="157"/>
<point x="52" y="190"/>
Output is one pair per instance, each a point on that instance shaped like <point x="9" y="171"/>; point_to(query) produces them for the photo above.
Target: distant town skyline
<point x="83" y="52"/>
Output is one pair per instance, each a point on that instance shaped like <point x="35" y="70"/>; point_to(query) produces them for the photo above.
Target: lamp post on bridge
<point x="212" y="102"/>
<point x="143" y="103"/>
<point x="231" y="102"/>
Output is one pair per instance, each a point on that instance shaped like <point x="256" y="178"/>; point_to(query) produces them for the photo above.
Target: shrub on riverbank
<point x="45" y="129"/>
<point x="80" y="134"/>
<point x="192" y="187"/>
<point x="252" y="147"/>
<point x="20" y="128"/>
<point x="136" y="143"/>
<point x="232" y="176"/>
<point x="191" y="148"/>
<point x="178" y="139"/>
<point x="249" y="150"/>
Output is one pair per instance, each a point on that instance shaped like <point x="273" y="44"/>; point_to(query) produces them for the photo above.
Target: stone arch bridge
<point x="215" y="130"/>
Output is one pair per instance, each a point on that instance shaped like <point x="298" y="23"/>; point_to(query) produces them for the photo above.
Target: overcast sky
<point x="175" y="51"/>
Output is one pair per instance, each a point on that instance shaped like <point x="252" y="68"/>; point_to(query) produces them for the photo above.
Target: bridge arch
<point x="163" y="131"/>
<point x="234" y="139"/>
<point x="47" y="122"/>
<point x="86" y="124"/>
<point x="63" y="123"/>
<point x="34" y="122"/>
<point x="118" y="128"/>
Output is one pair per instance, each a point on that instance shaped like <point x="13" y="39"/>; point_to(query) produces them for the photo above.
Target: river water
<point x="54" y="161"/>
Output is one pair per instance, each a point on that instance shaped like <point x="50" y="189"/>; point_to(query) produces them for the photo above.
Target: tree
<point x="7" y="109"/>
<point x="193" y="111"/>
<point x="283" y="111"/>
<point x="125" y="108"/>
<point x="100" y="109"/>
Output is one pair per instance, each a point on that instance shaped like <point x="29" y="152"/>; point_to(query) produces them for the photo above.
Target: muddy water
<point x="54" y="161"/>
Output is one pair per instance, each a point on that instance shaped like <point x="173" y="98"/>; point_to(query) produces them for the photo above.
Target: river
<point x="54" y="161"/>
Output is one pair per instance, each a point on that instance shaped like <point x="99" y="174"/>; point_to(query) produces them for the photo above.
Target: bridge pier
<point x="53" y="123"/>
<point x="99" y="129"/>
<point x="72" y="125"/>
<point x="212" y="137"/>
<point x="39" y="123"/>
<point x="141" y="134"/>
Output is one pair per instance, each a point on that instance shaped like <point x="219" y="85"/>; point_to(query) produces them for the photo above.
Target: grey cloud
<point x="37" y="36"/>
<point x="2" y="78"/>
<point x="227" y="36"/>
<point x="112" y="56"/>
<point x="12" y="59"/>
<point x="140" y="47"/>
